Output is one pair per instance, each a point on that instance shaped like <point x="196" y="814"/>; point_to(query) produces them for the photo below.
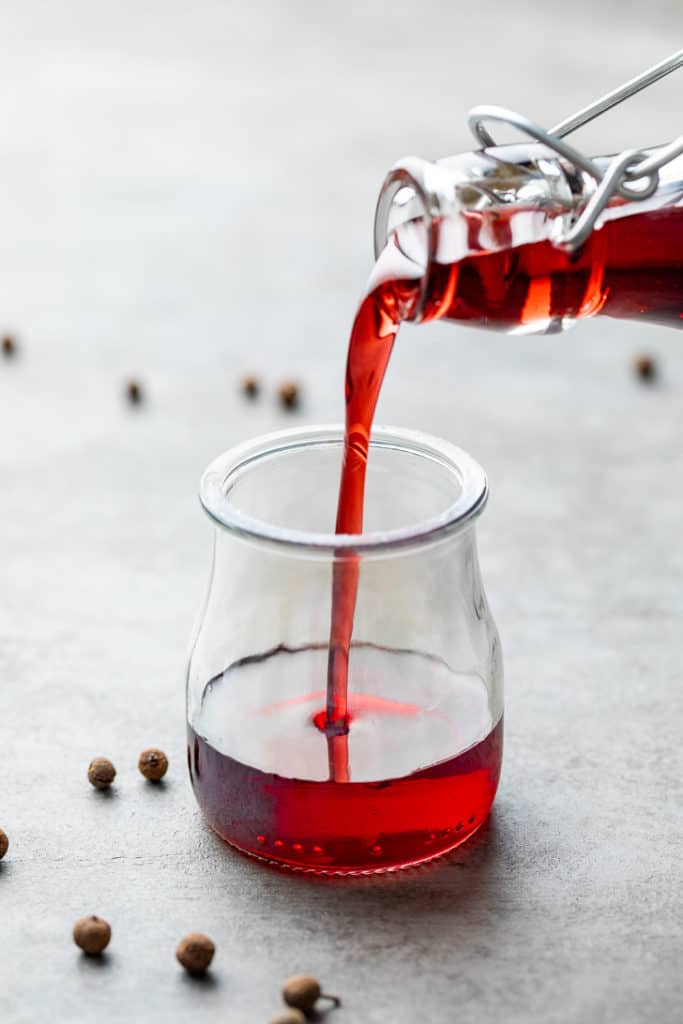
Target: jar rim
<point x="454" y="518"/>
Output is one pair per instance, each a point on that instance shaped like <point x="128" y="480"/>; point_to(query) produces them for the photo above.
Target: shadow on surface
<point x="110" y="793"/>
<point x="95" y="963"/>
<point x="207" y="981"/>
<point x="451" y="886"/>
<point x="149" y="786"/>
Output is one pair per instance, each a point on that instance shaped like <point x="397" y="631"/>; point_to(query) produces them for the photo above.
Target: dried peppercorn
<point x="288" y="393"/>
<point x="250" y="385"/>
<point x="302" y="992"/>
<point x="289" y="1016"/>
<point x="645" y="367"/>
<point x="4" y="843"/>
<point x="101" y="773"/>
<point x="134" y="392"/>
<point x="92" y="934"/>
<point x="195" y="953"/>
<point x="153" y="764"/>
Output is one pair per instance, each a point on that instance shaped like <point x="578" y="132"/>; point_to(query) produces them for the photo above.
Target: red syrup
<point x="260" y="773"/>
<point x="357" y="827"/>
<point x="304" y="782"/>
<point x="354" y="827"/>
<point x="631" y="268"/>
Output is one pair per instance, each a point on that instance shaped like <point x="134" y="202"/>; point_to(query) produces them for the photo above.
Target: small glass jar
<point x="425" y="669"/>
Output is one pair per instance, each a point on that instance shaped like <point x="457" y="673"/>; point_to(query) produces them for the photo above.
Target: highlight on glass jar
<point x="411" y="768"/>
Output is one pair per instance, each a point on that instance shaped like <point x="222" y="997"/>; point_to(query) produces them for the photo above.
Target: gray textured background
<point x="186" y="191"/>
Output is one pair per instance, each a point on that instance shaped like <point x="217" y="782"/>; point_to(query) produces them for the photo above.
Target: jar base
<point x="356" y="870"/>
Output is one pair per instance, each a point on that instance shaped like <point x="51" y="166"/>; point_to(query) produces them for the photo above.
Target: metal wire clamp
<point x="632" y="174"/>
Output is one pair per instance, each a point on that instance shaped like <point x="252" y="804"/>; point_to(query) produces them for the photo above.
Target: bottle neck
<point x="526" y="176"/>
<point x="508" y="198"/>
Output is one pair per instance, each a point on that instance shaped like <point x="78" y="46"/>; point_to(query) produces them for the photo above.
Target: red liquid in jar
<point x="346" y="827"/>
<point x="424" y="756"/>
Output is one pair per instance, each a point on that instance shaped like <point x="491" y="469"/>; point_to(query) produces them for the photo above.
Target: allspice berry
<point x="4" y="843"/>
<point x="134" y="392"/>
<point x="101" y="773"/>
<point x="290" y="1016"/>
<point x="303" y="991"/>
<point x="645" y="367"/>
<point x="288" y="393"/>
<point x="195" y="953"/>
<point x="92" y="934"/>
<point x="9" y="346"/>
<point x="250" y="385"/>
<point x="153" y="764"/>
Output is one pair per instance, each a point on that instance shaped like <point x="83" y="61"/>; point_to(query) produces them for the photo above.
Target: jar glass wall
<point x="425" y="669"/>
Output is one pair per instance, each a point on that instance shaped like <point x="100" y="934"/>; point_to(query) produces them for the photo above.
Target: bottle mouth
<point x="280" y="489"/>
<point x="419" y="198"/>
<point x="414" y="192"/>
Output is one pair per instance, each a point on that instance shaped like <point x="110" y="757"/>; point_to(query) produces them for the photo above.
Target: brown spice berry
<point x="92" y="934"/>
<point x="302" y="992"/>
<point x="101" y="773"/>
<point x="290" y="1016"/>
<point x="153" y="764"/>
<point x="134" y="392"/>
<point x="195" y="953"/>
<point x="288" y="393"/>
<point x="250" y="386"/>
<point x="645" y="367"/>
<point x="8" y="345"/>
<point x="4" y="843"/>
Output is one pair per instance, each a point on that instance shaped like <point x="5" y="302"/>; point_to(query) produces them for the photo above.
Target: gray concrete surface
<point x="186" y="192"/>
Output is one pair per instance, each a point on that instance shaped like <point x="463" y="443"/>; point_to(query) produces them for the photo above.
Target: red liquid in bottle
<point x="631" y="268"/>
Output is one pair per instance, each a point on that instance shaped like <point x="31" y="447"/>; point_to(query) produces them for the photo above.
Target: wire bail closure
<point x="632" y="174"/>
